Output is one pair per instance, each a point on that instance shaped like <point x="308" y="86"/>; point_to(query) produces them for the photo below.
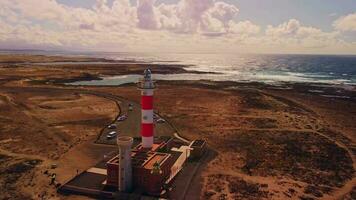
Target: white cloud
<point x="285" y="29"/>
<point x="294" y="33"/>
<point x="193" y="25"/>
<point x="218" y="17"/>
<point x="244" y="27"/>
<point x="224" y="12"/>
<point x="333" y="14"/>
<point x="346" y="23"/>
<point x="192" y="16"/>
<point x="192" y="10"/>
<point x="146" y="14"/>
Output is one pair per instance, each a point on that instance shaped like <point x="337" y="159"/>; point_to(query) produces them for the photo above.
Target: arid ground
<point x="265" y="142"/>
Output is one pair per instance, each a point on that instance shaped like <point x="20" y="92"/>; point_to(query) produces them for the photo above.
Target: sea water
<point x="272" y="69"/>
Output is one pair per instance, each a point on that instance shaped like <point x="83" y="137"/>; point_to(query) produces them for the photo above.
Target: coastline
<point x="248" y="126"/>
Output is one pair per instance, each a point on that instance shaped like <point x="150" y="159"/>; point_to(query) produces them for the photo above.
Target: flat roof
<point x="159" y="158"/>
<point x="155" y="146"/>
<point x="89" y="180"/>
<point x="140" y="157"/>
<point x="143" y="159"/>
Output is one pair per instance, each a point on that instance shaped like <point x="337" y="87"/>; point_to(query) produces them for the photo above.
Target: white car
<point x="122" y="118"/>
<point x="111" y="135"/>
<point x="112" y="126"/>
<point x="160" y="120"/>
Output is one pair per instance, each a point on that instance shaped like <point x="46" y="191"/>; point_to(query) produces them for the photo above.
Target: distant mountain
<point x="22" y="50"/>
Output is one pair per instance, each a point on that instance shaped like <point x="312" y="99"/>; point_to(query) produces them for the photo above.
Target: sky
<point x="180" y="26"/>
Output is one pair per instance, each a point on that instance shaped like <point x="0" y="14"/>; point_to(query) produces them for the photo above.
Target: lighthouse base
<point x="147" y="142"/>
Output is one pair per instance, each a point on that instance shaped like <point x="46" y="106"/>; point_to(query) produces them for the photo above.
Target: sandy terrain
<point x="265" y="143"/>
<point x="48" y="124"/>
<point x="268" y="143"/>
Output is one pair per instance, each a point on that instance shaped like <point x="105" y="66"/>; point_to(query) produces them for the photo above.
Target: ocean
<point x="271" y="69"/>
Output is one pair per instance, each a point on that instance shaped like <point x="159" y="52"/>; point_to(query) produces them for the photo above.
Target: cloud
<point x="193" y="10"/>
<point x="333" y="14"/>
<point x="346" y="23"/>
<point x="294" y="33"/>
<point x="244" y="27"/>
<point x="187" y="16"/>
<point x="187" y="25"/>
<point x="64" y="17"/>
<point x="285" y="29"/>
<point x="224" y="12"/>
<point x="146" y="14"/>
<point x="101" y="5"/>
<point x="218" y="17"/>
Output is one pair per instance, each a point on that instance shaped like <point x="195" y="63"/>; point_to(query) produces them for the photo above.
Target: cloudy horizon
<point x="227" y="26"/>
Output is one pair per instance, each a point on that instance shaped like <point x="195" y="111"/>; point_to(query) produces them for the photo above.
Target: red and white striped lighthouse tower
<point x="146" y="86"/>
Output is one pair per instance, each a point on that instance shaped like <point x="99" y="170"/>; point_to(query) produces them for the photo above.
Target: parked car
<point x="122" y="118"/>
<point x="111" y="135"/>
<point x="112" y="126"/>
<point x="130" y="107"/>
<point x="160" y="120"/>
<point x="155" y="116"/>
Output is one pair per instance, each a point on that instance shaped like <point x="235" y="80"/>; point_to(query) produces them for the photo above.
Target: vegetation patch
<point x="10" y="175"/>
<point x="305" y="156"/>
<point x="220" y="186"/>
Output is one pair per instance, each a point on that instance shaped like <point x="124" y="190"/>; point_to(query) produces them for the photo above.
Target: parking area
<point x="130" y="126"/>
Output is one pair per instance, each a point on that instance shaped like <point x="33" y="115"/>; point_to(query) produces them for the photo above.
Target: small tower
<point x="146" y="85"/>
<point x="125" y="167"/>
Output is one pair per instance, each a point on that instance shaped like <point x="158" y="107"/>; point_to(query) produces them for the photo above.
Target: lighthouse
<point x="146" y="86"/>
